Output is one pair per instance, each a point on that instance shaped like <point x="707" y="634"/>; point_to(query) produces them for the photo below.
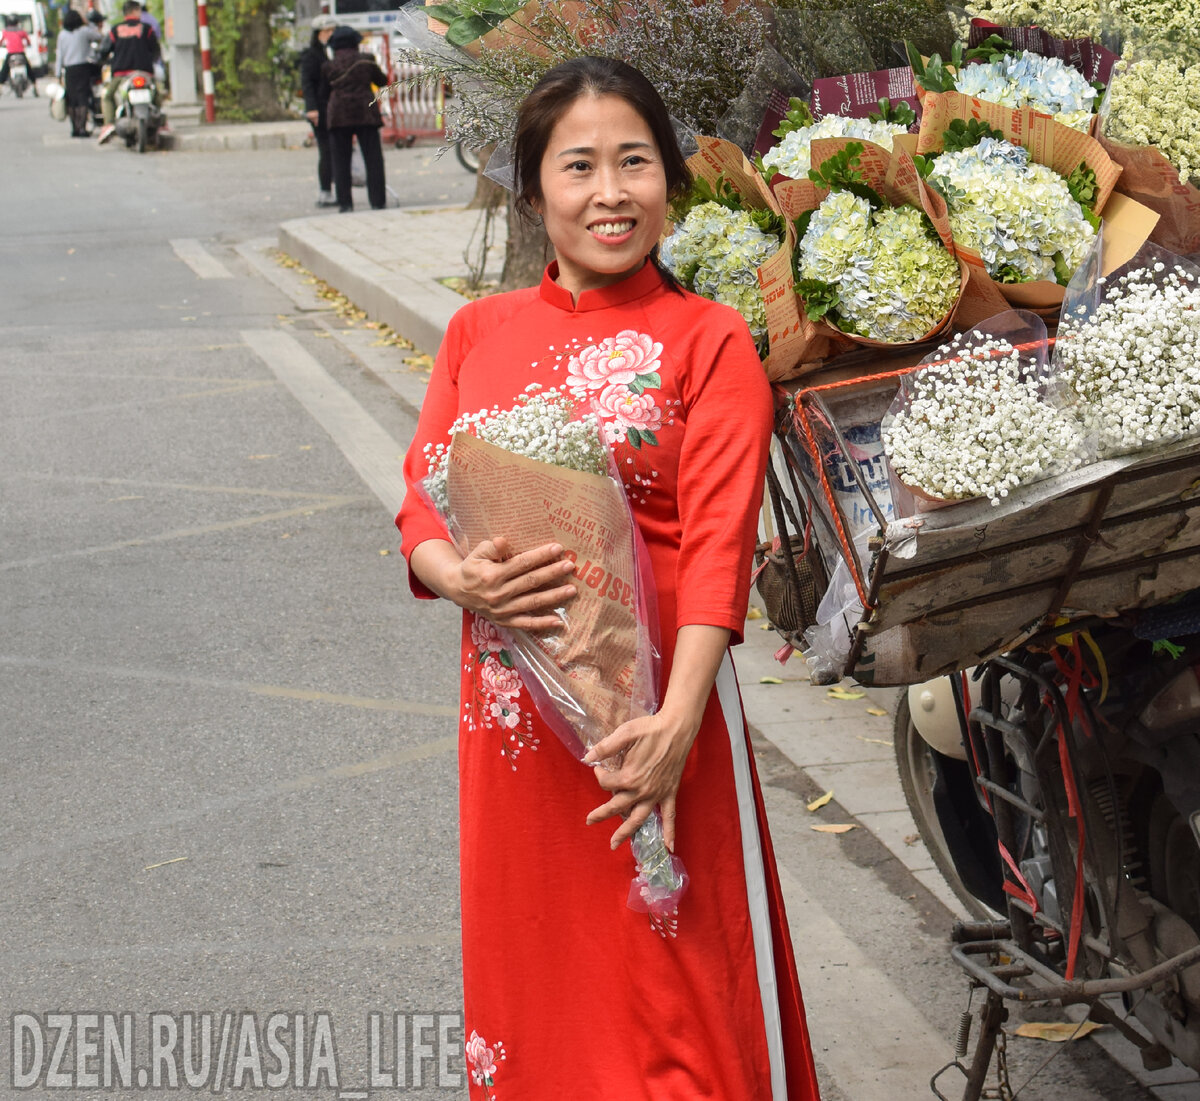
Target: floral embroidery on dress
<point x="495" y="702"/>
<point x="482" y="1060"/>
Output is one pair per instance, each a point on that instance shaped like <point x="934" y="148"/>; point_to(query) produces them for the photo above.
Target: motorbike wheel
<point x="141" y="136"/>
<point x="918" y="773"/>
<point x="468" y="158"/>
<point x="19" y="88"/>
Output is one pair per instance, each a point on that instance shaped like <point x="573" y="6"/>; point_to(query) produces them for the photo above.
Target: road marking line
<point x="282" y="691"/>
<point x="199" y="259"/>
<point x="190" y="487"/>
<point x="178" y="533"/>
<point x="367" y="447"/>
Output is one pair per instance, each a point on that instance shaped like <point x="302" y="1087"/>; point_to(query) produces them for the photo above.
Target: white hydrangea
<point x="1131" y="370"/>
<point x="895" y="282"/>
<point x="542" y="426"/>
<point x="792" y="156"/>
<point x="1017" y="214"/>
<point x="717" y="252"/>
<point x="1030" y="80"/>
<point x="977" y="425"/>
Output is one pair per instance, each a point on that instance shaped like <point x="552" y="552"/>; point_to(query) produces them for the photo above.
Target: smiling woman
<point x="568" y="993"/>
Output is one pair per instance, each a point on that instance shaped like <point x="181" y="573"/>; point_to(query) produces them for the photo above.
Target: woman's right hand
<point x="520" y="591"/>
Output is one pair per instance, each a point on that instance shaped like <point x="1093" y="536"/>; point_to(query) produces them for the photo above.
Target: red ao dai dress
<point x="569" y="994"/>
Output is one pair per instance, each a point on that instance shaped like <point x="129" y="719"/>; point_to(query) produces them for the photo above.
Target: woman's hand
<point x="655" y="748"/>
<point x="520" y="591"/>
<point x="312" y="116"/>
<point x="652" y="752"/>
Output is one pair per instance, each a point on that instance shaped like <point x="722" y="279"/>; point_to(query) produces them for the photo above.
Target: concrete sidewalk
<point x="186" y="133"/>
<point x="389" y="264"/>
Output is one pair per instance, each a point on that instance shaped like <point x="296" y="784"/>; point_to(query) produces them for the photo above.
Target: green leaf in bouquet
<point x="467" y="28"/>
<point x="820" y="298"/>
<point x="445" y="13"/>
<point x="934" y="75"/>
<point x="1083" y="186"/>
<point x="899" y="112"/>
<point x="840" y="173"/>
<point x="635" y="438"/>
<point x="1062" y="273"/>
<point x="687" y="274"/>
<point x="1006" y="273"/>
<point x="767" y="171"/>
<point x="702" y="192"/>
<point x="768" y="222"/>
<point x="992" y="48"/>
<point x="964" y="134"/>
<point x="798" y="116"/>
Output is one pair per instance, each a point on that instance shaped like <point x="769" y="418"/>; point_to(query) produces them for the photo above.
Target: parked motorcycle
<point x="1058" y="788"/>
<point x="139" y="114"/>
<point x="18" y="74"/>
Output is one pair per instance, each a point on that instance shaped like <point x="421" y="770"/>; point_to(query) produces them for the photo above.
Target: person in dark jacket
<point x="315" y="98"/>
<point x="134" y="49"/>
<point x="351" y="112"/>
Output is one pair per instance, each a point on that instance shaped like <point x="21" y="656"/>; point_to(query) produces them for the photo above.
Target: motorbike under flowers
<point x="1058" y="789"/>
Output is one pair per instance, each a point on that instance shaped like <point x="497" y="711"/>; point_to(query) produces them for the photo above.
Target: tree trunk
<point x="257" y="97"/>
<point x="527" y="254"/>
<point x="487" y="192"/>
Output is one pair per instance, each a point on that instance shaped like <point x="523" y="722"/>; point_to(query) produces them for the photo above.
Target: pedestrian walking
<point x="352" y="80"/>
<point x="569" y="992"/>
<point x="316" y="98"/>
<point x="77" y="42"/>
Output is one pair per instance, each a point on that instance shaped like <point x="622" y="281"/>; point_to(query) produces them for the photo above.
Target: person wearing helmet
<point x="135" y="48"/>
<point x="316" y="98"/>
<point x="16" y="41"/>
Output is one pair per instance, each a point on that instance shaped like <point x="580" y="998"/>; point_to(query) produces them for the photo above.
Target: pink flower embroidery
<point x="482" y="1060"/>
<point x="485" y="635"/>
<point x="619" y="358"/>
<point x="498" y="679"/>
<point x="629" y="409"/>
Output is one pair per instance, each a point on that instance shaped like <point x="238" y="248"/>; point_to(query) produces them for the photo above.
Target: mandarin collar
<point x="642" y="282"/>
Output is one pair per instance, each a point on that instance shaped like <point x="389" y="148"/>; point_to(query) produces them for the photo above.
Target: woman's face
<point x="604" y="192"/>
<point x="325" y="34"/>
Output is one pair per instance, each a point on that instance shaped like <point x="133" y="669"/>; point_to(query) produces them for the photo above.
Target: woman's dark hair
<point x="552" y="97"/>
<point x="72" y="20"/>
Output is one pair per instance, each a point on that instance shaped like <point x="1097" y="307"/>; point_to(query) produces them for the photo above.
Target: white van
<point x="31" y="18"/>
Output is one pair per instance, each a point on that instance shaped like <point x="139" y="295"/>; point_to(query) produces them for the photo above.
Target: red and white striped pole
<point x="206" y="77"/>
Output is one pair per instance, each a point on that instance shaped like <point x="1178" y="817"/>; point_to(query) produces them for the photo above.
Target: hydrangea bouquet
<point x="973" y="420"/>
<point x="1023" y="219"/>
<point x="792" y="155"/>
<point x="494" y="476"/>
<point x="871" y="260"/>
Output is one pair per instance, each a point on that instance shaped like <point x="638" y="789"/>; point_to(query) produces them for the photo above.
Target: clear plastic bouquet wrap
<point x="1127" y="357"/>
<point x="974" y="419"/>
<point x="541" y="473"/>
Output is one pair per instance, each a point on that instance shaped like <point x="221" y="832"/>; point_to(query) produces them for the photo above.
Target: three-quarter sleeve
<point x="416" y="519"/>
<point x="728" y="415"/>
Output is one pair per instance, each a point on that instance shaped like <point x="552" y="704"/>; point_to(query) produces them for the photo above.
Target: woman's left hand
<point x="655" y="749"/>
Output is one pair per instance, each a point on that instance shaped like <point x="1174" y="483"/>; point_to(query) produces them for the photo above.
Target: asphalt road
<point x="229" y="782"/>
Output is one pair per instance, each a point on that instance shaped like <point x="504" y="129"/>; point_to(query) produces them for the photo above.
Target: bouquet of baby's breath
<point x="973" y="420"/>
<point x="540" y="472"/>
<point x="1127" y="357"/>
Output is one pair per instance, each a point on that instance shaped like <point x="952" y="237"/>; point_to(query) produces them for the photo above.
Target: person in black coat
<point x="315" y="98"/>
<point x="351" y="112"/>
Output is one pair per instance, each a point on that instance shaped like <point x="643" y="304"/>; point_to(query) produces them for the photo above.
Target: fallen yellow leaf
<point x="876" y="711"/>
<point x="819" y="802"/>
<point x="1056" y="1032"/>
<point x="753" y="613"/>
<point x="770" y="680"/>
<point x="873" y="741"/>
<point x="839" y="693"/>
<point x="765" y="627"/>
<point x="840" y="827"/>
<point x="385" y="552"/>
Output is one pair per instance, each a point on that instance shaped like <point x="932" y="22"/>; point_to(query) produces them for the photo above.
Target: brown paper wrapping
<point x="1059" y="147"/>
<point x="1150" y="179"/>
<point x="793" y="342"/>
<point x="594" y="659"/>
<point x="895" y="177"/>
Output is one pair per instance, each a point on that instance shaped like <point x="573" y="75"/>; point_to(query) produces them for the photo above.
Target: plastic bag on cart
<point x="974" y="419"/>
<point x="1146" y="316"/>
<point x="829" y="640"/>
